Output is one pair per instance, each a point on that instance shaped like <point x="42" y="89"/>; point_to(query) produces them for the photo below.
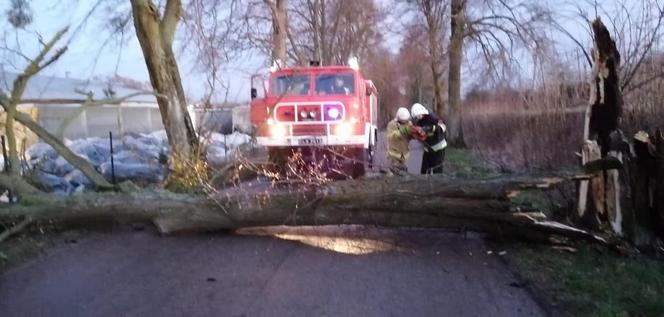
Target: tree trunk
<point x="434" y="51"/>
<point x="82" y="164"/>
<point x="619" y="193"/>
<point x="318" y="30"/>
<point x="155" y="34"/>
<point x="454" y="119"/>
<point x="279" y="29"/>
<point x="658" y="192"/>
<point x="595" y="198"/>
<point x="398" y="202"/>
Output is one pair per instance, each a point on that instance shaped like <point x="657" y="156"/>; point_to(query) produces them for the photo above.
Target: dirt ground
<point x="332" y="271"/>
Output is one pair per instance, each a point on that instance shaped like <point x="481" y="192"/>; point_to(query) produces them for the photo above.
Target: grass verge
<point x="591" y="281"/>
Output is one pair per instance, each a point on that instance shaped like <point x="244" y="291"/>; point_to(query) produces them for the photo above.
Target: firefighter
<point x="399" y="132"/>
<point x="432" y="136"/>
<point x="339" y="86"/>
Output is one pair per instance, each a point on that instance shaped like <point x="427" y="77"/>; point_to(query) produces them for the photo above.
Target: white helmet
<point x="418" y="110"/>
<point x="403" y="114"/>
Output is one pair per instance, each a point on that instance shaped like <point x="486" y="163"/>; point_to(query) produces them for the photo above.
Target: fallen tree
<point x="436" y="202"/>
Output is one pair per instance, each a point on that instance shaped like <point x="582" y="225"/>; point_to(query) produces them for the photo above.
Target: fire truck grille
<point x="309" y="129"/>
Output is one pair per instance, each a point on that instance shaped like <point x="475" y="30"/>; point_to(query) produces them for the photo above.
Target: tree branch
<point x="169" y="22"/>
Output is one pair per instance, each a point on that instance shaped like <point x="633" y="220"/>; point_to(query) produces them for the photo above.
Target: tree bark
<point x="454" y="121"/>
<point x="279" y="8"/>
<point x="155" y="34"/>
<point x="82" y="164"/>
<point x="318" y="29"/>
<point x="433" y="27"/>
<point x="481" y="205"/>
<point x="619" y="193"/>
<point x="595" y="198"/>
<point x="658" y="167"/>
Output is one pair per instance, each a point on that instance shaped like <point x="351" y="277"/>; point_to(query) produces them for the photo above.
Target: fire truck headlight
<point x="312" y="114"/>
<point x="333" y="113"/>
<point x="343" y="130"/>
<point x="303" y="114"/>
<point x="278" y="130"/>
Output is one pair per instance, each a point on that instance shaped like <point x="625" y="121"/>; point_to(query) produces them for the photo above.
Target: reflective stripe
<point x="433" y="131"/>
<point x="439" y="146"/>
<point x="398" y="155"/>
<point x="405" y="130"/>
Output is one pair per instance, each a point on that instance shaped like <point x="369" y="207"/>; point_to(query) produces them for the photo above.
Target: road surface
<point x="374" y="273"/>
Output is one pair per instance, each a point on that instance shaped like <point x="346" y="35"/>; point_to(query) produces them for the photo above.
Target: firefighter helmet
<point x="403" y="114"/>
<point x="418" y="110"/>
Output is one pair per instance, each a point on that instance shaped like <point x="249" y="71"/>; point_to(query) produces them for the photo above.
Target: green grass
<point x="534" y="198"/>
<point x="594" y="281"/>
<point x="462" y="163"/>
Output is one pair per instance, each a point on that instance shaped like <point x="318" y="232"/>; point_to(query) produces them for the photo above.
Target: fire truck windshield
<point x="335" y="84"/>
<point x="290" y="85"/>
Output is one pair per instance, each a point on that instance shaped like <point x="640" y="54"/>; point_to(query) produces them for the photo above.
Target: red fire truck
<point x="323" y="112"/>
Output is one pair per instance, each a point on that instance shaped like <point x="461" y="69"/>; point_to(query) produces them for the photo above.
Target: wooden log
<point x="480" y="205"/>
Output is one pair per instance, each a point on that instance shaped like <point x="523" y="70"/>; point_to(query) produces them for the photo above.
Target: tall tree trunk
<point x="433" y="28"/>
<point x="438" y="105"/>
<point x="155" y="34"/>
<point x="454" y="121"/>
<point x="279" y="29"/>
<point x="318" y="30"/>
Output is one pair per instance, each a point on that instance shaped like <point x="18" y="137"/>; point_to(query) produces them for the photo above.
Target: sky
<point x="93" y="53"/>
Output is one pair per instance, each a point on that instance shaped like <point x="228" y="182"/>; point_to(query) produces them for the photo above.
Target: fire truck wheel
<point x="370" y="152"/>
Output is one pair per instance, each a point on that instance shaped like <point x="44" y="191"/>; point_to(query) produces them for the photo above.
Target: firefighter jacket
<point x="398" y="135"/>
<point x="435" y="132"/>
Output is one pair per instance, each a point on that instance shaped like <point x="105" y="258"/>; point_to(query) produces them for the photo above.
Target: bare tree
<point x="415" y="75"/>
<point x="19" y="14"/>
<point x="279" y="28"/>
<point x="329" y="31"/>
<point x="496" y="29"/>
<point x="155" y="33"/>
<point x="46" y="56"/>
<point x="638" y="27"/>
<point x="433" y="14"/>
<point x="457" y="30"/>
<point x="213" y="35"/>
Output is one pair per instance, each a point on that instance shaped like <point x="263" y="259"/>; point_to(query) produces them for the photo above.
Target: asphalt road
<point x="373" y="273"/>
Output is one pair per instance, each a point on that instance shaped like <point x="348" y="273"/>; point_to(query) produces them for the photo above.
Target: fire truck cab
<point x="318" y="109"/>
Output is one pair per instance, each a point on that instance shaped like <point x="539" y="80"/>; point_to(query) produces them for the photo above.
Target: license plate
<point x="310" y="141"/>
